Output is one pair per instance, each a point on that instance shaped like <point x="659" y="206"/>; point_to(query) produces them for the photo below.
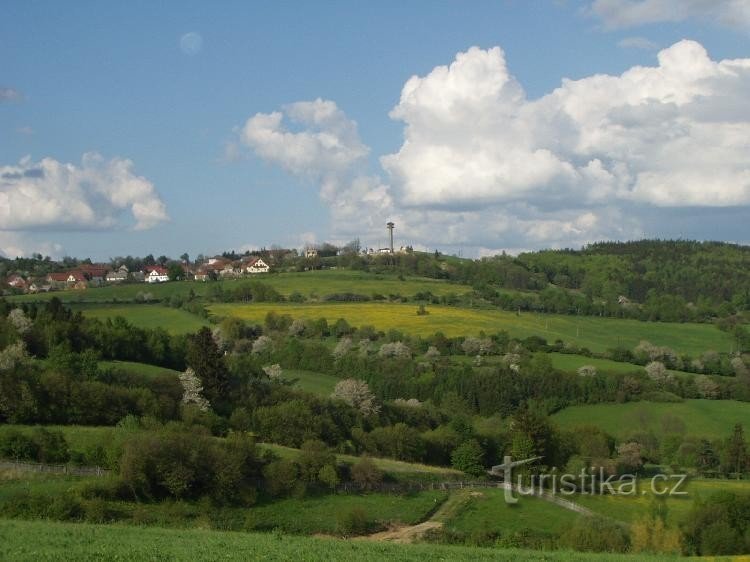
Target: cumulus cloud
<point x="484" y="166"/>
<point x="9" y="94"/>
<point x="13" y="245"/>
<point x="616" y="14"/>
<point x="316" y="141"/>
<point x="95" y="195"/>
<point x="669" y="135"/>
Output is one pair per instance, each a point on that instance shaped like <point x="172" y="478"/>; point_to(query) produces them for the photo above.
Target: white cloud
<point x="53" y="195"/>
<point x="326" y="149"/>
<point x="655" y="135"/>
<point x="483" y="166"/>
<point x="329" y="146"/>
<point x="9" y="94"/>
<point x="637" y="43"/>
<point x="617" y="14"/>
<point x="13" y="245"/>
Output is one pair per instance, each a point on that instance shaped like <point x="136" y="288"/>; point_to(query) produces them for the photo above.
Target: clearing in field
<point x="701" y="418"/>
<point x="150" y="316"/>
<point x="597" y="334"/>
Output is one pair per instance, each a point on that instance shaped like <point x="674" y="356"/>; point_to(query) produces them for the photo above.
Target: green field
<point x="41" y="541"/>
<point x="702" y="418"/>
<point x="173" y="320"/>
<point x="486" y="510"/>
<point x="312" y="284"/>
<point x="598" y="334"/>
<point x="137" y="368"/>
<point x="629" y="508"/>
<point x="319" y="384"/>
<point x="570" y="363"/>
<point x="319" y="514"/>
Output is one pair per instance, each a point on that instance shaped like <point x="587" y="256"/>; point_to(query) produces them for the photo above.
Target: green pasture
<point x="173" y="320"/>
<point x="571" y="363"/>
<point x="486" y="510"/>
<point x="42" y="541"/>
<point x="597" y="334"/>
<point x="319" y="384"/>
<point x="629" y="508"/>
<point x="137" y="368"/>
<point x="702" y="418"/>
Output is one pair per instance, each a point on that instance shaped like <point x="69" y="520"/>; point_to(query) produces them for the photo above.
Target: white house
<point x="256" y="265"/>
<point x="157" y="275"/>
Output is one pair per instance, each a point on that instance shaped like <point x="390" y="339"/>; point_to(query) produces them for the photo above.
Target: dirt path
<point x="409" y="533"/>
<point x="451" y="507"/>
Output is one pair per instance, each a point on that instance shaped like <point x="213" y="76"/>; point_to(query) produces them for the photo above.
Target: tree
<point x="468" y="457"/>
<point x="207" y="361"/>
<point x="175" y="272"/>
<point x="193" y="390"/>
<point x="20" y="321"/>
<point x="356" y="393"/>
<point x="737" y="451"/>
<point x="366" y="474"/>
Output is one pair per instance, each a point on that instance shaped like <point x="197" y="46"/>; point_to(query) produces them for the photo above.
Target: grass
<point x="598" y="334"/>
<point x="137" y="368"/>
<point x="390" y="466"/>
<point x="312" y="284"/>
<point x="630" y="508"/>
<point x="41" y="541"/>
<point x="320" y="514"/>
<point x="702" y="418"/>
<point x="78" y="437"/>
<point x="570" y="363"/>
<point x="81" y="437"/>
<point x="487" y="511"/>
<point x="319" y="384"/>
<point x="173" y="320"/>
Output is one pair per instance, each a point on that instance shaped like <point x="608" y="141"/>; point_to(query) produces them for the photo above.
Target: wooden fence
<point x="54" y="468"/>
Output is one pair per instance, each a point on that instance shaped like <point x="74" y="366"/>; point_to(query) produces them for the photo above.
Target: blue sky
<point x="186" y="160"/>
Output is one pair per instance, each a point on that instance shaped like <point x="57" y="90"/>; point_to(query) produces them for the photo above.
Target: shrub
<point x="365" y="474"/>
<point x="591" y="534"/>
<point x="468" y="457"/>
<point x="353" y="522"/>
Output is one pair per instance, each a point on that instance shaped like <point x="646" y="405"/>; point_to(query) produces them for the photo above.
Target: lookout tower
<point x="390" y="227"/>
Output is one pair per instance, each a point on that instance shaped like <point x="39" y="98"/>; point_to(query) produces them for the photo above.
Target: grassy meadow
<point x="137" y="368"/>
<point x="173" y="320"/>
<point x="702" y="418"/>
<point x="630" y="508"/>
<point x="319" y="384"/>
<point x="598" y="334"/>
<point x="486" y="510"/>
<point x="41" y="541"/>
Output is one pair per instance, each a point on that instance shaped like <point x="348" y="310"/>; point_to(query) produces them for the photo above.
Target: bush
<point x="365" y="474"/>
<point x="468" y="457"/>
<point x="592" y="534"/>
<point x="280" y="477"/>
<point x="353" y="522"/>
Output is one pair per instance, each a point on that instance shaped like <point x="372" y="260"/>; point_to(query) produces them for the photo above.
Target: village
<point x="86" y="275"/>
<point x="229" y="265"/>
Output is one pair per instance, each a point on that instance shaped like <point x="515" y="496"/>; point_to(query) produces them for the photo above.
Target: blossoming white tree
<point x="192" y="390"/>
<point x="356" y="393"/>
